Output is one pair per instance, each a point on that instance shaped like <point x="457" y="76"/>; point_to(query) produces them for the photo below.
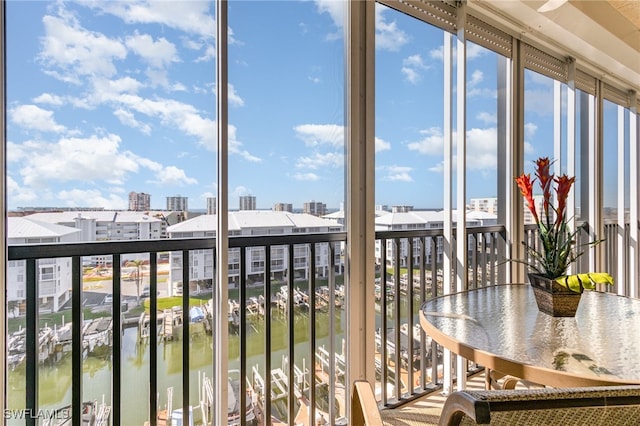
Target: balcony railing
<point x="288" y="349"/>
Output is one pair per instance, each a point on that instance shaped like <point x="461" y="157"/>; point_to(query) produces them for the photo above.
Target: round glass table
<point x="500" y="328"/>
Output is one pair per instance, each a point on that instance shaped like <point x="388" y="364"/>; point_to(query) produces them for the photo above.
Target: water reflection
<point x="54" y="380"/>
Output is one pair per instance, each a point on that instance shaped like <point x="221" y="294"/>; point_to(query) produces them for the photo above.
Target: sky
<point x="108" y="97"/>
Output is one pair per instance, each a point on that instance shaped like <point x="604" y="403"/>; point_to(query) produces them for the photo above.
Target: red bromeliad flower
<point x="526" y="189"/>
<point x="545" y="178"/>
<point x="562" y="191"/>
<point x="556" y="251"/>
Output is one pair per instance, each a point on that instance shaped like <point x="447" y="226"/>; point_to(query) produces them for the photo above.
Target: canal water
<point x="54" y="380"/>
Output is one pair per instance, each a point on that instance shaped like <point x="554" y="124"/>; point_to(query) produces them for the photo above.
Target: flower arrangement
<point x="557" y="240"/>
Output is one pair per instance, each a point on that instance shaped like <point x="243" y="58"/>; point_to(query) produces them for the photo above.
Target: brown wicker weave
<point x="590" y="406"/>
<point x="604" y="405"/>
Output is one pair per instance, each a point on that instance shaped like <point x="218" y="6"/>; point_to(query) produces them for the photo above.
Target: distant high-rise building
<point x="315" y="208"/>
<point x="178" y="204"/>
<point x="139" y="201"/>
<point x="247" y="202"/>
<point x="489" y="205"/>
<point x="211" y="205"/>
<point x="283" y="207"/>
<point x="401" y="209"/>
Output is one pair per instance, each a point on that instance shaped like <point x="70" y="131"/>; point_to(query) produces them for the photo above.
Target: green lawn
<point x="54" y="318"/>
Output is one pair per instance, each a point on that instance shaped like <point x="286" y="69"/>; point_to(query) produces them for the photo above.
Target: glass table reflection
<point x="500" y="328"/>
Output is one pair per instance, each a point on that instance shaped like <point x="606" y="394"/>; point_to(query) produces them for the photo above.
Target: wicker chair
<point x="593" y="406"/>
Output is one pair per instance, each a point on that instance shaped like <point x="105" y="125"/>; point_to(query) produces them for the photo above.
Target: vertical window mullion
<point x="620" y="225"/>
<point x="634" y="202"/>
<point x="447" y="240"/>
<point x="571" y="145"/>
<point x="461" y="260"/>
<point x="220" y="355"/>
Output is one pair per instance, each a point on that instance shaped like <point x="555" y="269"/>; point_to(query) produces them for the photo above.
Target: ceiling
<point x="621" y="17"/>
<point x="603" y="35"/>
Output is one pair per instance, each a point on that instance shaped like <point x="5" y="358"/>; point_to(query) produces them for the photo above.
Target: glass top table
<point x="500" y="328"/>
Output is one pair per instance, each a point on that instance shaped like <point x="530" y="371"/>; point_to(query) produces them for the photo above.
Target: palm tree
<point x="138" y="264"/>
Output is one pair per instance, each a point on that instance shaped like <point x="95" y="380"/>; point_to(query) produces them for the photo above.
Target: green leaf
<point x="588" y="281"/>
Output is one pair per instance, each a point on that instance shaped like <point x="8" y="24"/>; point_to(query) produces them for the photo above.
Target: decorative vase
<point x="552" y="298"/>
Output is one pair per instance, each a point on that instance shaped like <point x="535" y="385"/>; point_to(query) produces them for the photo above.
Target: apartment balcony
<point x="279" y="338"/>
<point x="155" y="343"/>
<point x="121" y="344"/>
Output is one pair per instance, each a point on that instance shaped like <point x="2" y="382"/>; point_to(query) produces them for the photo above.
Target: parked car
<point x="146" y="291"/>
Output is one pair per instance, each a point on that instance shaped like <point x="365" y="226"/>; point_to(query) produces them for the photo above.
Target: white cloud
<point x="173" y="176"/>
<point x="306" y="176"/>
<point x="92" y="159"/>
<point x="528" y="148"/>
<point x="318" y="161"/>
<point x="194" y="17"/>
<point x="382" y="145"/>
<point x="128" y="119"/>
<point x="16" y="152"/>
<point x="76" y="51"/>
<point x="157" y="77"/>
<point x="411" y="75"/>
<point x="235" y="146"/>
<point x="487" y="118"/>
<point x="88" y="159"/>
<point x="539" y="102"/>
<point x="107" y="89"/>
<point x="32" y="117"/>
<point x="91" y="198"/>
<point x="240" y="190"/>
<point x="396" y="173"/>
<point x="481" y="147"/>
<point x="414" y="61"/>
<point x="209" y="54"/>
<point x="473" y="51"/>
<point x="157" y="53"/>
<point x="430" y="144"/>
<point x="477" y="77"/>
<point x="320" y="134"/>
<point x="388" y="35"/>
<point x="48" y="98"/>
<point x="437" y="53"/>
<point x="192" y="44"/>
<point x="530" y="129"/>
<point x="411" y="67"/>
<point x="73" y="52"/>
<point x="22" y="195"/>
<point x="234" y="98"/>
<point x="335" y="9"/>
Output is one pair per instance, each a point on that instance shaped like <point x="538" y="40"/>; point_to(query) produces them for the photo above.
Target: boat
<point x="196" y="314"/>
<point x="233" y="407"/>
<point x="233" y="402"/>
<point x="93" y="414"/>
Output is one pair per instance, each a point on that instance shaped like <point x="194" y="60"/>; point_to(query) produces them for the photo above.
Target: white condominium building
<point x="178" y="204"/>
<point x="247" y="202"/>
<point x="110" y="225"/>
<point x="254" y="223"/>
<point x="407" y="219"/>
<point x="53" y="276"/>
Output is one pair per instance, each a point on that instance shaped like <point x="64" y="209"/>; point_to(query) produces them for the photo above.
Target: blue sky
<point x="110" y="97"/>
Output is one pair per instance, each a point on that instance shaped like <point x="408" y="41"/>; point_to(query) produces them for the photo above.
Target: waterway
<point x="54" y="381"/>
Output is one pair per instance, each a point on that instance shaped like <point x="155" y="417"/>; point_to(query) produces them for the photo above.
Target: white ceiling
<point x="603" y="35"/>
